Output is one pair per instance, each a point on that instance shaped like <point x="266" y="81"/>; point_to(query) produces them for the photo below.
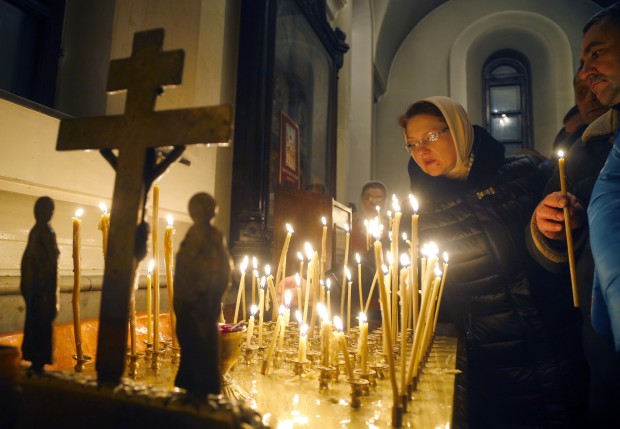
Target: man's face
<point x="600" y="57"/>
<point x="587" y="103"/>
<point x="373" y="197"/>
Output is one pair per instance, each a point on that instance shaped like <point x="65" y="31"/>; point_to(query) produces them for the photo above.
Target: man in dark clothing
<point x="547" y="235"/>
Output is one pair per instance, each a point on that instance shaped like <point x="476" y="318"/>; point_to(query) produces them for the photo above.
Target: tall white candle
<point x="155" y="242"/>
<point x="359" y="280"/>
<point x="261" y="309"/>
<point x="413" y="268"/>
<point x="303" y="341"/>
<point x="242" y="268"/>
<point x="104" y="226"/>
<point x="168" y="261"/>
<point x="395" y="252"/>
<point x="149" y="309"/>
<point x="248" y="340"/>
<point x="328" y="287"/>
<point x="349" y="285"/>
<point x="363" y="342"/>
<point x="323" y="247"/>
<point x="341" y="340"/>
<point x="326" y="331"/>
<point x="287" y="307"/>
<point x="77" y="240"/>
<point x="309" y="254"/>
<point x="281" y="271"/>
<point x="254" y="278"/>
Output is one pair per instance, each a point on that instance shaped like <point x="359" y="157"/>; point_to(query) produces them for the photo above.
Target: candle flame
<point x="300" y="256"/>
<point x="378" y="209"/>
<point x="560" y="154"/>
<point x="254" y="262"/>
<point x="320" y="308"/>
<point x="253" y="309"/>
<point x="289" y="229"/>
<point x="346" y="227"/>
<point x="287" y="298"/>
<point x="404" y="236"/>
<point x="170" y="220"/>
<point x="303" y="330"/>
<point x="395" y="203"/>
<point x="244" y="264"/>
<point x="79" y="212"/>
<point x="338" y="323"/>
<point x="414" y="203"/>
<point x="437" y="271"/>
<point x="357" y="258"/>
<point x="281" y="310"/>
<point x="299" y="318"/>
<point x="390" y="258"/>
<point x="297" y="279"/>
<point x="432" y="250"/>
<point x="445" y="257"/>
<point x="328" y="284"/>
<point x="309" y="250"/>
<point x="267" y="270"/>
<point x="366" y="223"/>
<point x="347" y="273"/>
<point x="103" y="207"/>
<point x="262" y="282"/>
<point x="389" y="213"/>
<point x="324" y="220"/>
<point x="404" y="260"/>
<point x="362" y="317"/>
<point x="151" y="266"/>
<point x="384" y="268"/>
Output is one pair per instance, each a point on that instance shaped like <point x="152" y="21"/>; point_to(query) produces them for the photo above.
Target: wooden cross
<point x="135" y="135"/>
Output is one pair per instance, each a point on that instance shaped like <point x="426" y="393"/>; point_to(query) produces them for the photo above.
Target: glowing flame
<point x="103" y="207"/>
<point x="289" y="229"/>
<point x="170" y="220"/>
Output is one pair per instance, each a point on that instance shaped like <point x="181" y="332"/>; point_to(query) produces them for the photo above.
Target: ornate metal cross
<point x="135" y="135"/>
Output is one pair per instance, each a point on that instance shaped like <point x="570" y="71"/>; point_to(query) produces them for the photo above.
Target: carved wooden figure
<point x="39" y="287"/>
<point x="202" y="275"/>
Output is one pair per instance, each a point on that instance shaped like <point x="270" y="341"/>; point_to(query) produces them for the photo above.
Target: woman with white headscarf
<point x="525" y="366"/>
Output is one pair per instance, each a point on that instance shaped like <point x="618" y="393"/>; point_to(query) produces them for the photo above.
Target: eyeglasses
<point x="431" y="137"/>
<point x="373" y="200"/>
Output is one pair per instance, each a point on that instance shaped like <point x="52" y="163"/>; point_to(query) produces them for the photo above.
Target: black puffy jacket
<point x="525" y="363"/>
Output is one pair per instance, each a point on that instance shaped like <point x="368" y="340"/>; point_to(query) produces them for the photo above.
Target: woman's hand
<point x="550" y="215"/>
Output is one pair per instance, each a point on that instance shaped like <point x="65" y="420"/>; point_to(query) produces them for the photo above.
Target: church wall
<point x="422" y="67"/>
<point x="31" y="167"/>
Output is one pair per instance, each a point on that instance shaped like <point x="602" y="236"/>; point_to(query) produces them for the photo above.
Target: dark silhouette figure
<point x="201" y="278"/>
<point x="39" y="287"/>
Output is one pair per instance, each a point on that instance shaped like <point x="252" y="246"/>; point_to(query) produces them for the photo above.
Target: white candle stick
<point x="254" y="278"/>
<point x="441" y="287"/>
<point x="395" y="251"/>
<point x="77" y="242"/>
<point x="303" y="338"/>
<point x="349" y="285"/>
<point x="413" y="254"/>
<point x="359" y="280"/>
<point x="326" y="333"/>
<point x="569" y="233"/>
<point x="104" y="226"/>
<point x="323" y="248"/>
<point x="363" y="341"/>
<point x="149" y="299"/>
<point x="248" y="339"/>
<point x="168" y="262"/>
<point x="341" y="340"/>
<point x="281" y="271"/>
<point x="287" y="307"/>
<point x="242" y="268"/>
<point x="261" y="309"/>
<point x="328" y="287"/>
<point x="309" y="254"/>
<point x="155" y="242"/>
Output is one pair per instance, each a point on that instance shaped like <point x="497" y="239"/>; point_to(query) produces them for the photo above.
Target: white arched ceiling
<point x="546" y="46"/>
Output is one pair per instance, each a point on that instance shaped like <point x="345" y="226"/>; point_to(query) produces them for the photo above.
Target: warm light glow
<point x="347" y="273"/>
<point x="346" y="227"/>
<point x="300" y="256"/>
<point x="338" y="323"/>
<point x="289" y="228"/>
<point x="395" y="203"/>
<point x="404" y="260"/>
<point x="170" y="220"/>
<point x="299" y="317"/>
<point x="362" y="317"/>
<point x="151" y="266"/>
<point x="357" y="258"/>
<point x="320" y="308"/>
<point x="103" y="207"/>
<point x="303" y="330"/>
<point x="254" y="262"/>
<point x="389" y="213"/>
<point x="328" y="284"/>
<point x="244" y="264"/>
<point x="323" y="221"/>
<point x="432" y="249"/>
<point x="445" y="257"/>
<point x="263" y="280"/>
<point x="414" y="203"/>
<point x="560" y="154"/>
<point x="287" y="298"/>
<point x="437" y="271"/>
<point x="253" y="309"/>
<point x="281" y="310"/>
<point x="389" y="257"/>
<point x="309" y="250"/>
<point x="404" y="236"/>
<point x="267" y="270"/>
<point x="384" y="268"/>
<point x="79" y="212"/>
<point x="298" y="279"/>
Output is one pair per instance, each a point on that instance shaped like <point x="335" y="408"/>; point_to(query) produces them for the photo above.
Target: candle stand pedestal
<point x="397" y="416"/>
<point x="148" y="351"/>
<point x="80" y="363"/>
<point x="175" y="354"/>
<point x="326" y="374"/>
<point x="404" y="400"/>
<point x="156" y="357"/>
<point x="248" y="354"/>
<point x="370" y="376"/>
<point x="313" y="356"/>
<point x="358" y="389"/>
<point x="299" y="367"/>
<point x="133" y="364"/>
<point x="380" y="369"/>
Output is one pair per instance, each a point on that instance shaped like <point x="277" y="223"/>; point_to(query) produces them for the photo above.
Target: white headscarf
<point x="462" y="133"/>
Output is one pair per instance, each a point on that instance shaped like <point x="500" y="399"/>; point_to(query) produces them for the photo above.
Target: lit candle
<point x="248" y="338"/>
<point x="132" y="318"/>
<point x="261" y="309"/>
<point x="441" y="286"/>
<point x="413" y="250"/>
<point x="254" y="277"/>
<point x="368" y="240"/>
<point x="303" y="338"/>
<point x="569" y="234"/>
<point x="104" y="226"/>
<point x="272" y="291"/>
<point x="309" y="254"/>
<point x="77" y="329"/>
<point x="315" y="289"/>
<point x="298" y="283"/>
<point x="280" y="273"/>
<point x="328" y="287"/>
<point x="363" y="342"/>
<point x="300" y="256"/>
<point x="287" y="307"/>
<point x="155" y="242"/>
<point x="267" y="359"/>
<point x="386" y="319"/>
<point x="346" y="262"/>
<point x="404" y="298"/>
<point x="428" y="321"/>
<point x="349" y="285"/>
<point x="394" y="264"/>
<point x="242" y="267"/>
<point x="359" y="279"/>
<point x="326" y="332"/>
<point x="168" y="260"/>
<point x="282" y="327"/>
<point x="342" y="341"/>
<point x="372" y="289"/>
<point x="149" y="303"/>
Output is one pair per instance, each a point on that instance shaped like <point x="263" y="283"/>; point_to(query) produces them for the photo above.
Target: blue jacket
<point x="604" y="220"/>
